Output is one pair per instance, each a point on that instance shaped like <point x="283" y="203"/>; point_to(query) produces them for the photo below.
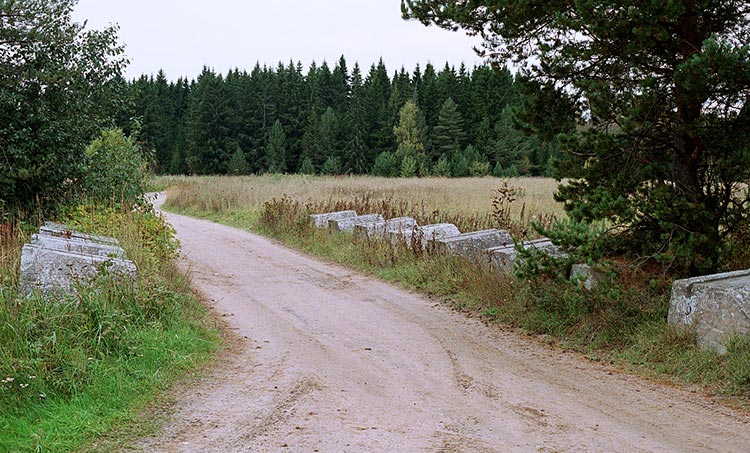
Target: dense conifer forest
<point x="323" y="120"/>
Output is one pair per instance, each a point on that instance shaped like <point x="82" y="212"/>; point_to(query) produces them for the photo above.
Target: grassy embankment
<point x="623" y="321"/>
<point x="77" y="374"/>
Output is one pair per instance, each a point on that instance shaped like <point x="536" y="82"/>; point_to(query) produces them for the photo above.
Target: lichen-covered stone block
<point x="380" y="229"/>
<point x="473" y="246"/>
<point x="57" y="271"/>
<point x="716" y="306"/>
<point x="321" y="220"/>
<point x="503" y="258"/>
<point x="348" y="224"/>
<point x="78" y="245"/>
<point x="62" y="231"/>
<point x="426" y="234"/>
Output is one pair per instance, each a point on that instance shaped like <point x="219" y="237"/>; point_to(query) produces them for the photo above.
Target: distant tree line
<point x="337" y="121"/>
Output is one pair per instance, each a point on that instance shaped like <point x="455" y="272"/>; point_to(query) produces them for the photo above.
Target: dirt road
<point x="335" y="362"/>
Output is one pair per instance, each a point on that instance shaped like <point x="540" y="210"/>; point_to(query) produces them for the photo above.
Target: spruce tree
<point x="448" y="135"/>
<point x="377" y="88"/>
<point x="357" y="155"/>
<point x="328" y="137"/>
<point x="237" y="164"/>
<point x="276" y="149"/>
<point x="207" y="126"/>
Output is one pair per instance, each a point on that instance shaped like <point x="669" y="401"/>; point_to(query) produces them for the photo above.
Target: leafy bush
<point x="116" y="168"/>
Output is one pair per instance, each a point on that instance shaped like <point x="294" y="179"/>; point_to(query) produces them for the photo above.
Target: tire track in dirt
<point x="333" y="361"/>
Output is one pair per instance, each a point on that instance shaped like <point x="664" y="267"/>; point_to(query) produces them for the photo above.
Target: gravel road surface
<point x="331" y="361"/>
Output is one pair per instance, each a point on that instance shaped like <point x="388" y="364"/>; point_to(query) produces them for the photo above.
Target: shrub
<point x="116" y="168"/>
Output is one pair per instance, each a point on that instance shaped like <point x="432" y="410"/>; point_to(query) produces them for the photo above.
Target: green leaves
<point x="57" y="85"/>
<point x="661" y="90"/>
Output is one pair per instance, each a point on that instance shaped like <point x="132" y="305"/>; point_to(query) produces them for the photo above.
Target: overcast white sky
<point x="182" y="36"/>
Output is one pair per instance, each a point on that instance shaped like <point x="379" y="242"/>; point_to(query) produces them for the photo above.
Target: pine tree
<point x="386" y="165"/>
<point x="306" y="167"/>
<point x="332" y="166"/>
<point x="668" y="119"/>
<point x="442" y="167"/>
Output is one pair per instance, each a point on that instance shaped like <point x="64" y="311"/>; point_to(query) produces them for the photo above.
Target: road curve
<point x="333" y="361"/>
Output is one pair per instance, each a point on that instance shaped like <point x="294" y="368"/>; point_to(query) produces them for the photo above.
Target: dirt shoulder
<point x="330" y="360"/>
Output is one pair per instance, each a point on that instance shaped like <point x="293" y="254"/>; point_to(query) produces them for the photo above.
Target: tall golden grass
<point x="457" y="196"/>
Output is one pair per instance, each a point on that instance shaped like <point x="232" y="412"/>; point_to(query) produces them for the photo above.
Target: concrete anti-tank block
<point x="78" y="245"/>
<point x="473" y="246"/>
<point x="426" y="234"/>
<point x="62" y="231"/>
<point x="347" y="224"/>
<point x="50" y="270"/>
<point x="321" y="220"/>
<point x="716" y="306"/>
<point x="381" y="229"/>
<point x="504" y="257"/>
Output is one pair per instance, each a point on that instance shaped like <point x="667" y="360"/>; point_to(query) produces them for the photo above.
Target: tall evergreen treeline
<point x="336" y="121"/>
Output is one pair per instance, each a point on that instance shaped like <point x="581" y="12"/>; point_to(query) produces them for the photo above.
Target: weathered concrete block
<point x="716" y="306"/>
<point x="586" y="274"/>
<point x="321" y="220"/>
<point x="78" y="245"/>
<point x="474" y="245"/>
<point x="380" y="229"/>
<point x="347" y="224"/>
<point x="504" y="257"/>
<point x="426" y="234"/>
<point x="62" y="231"/>
<point x="52" y="271"/>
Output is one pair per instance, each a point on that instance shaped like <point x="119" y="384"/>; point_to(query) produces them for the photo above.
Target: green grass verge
<point x="77" y="372"/>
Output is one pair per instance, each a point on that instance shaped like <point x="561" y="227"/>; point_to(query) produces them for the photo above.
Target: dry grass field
<point x="452" y="197"/>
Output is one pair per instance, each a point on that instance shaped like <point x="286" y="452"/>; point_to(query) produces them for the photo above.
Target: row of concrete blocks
<point x="492" y="247"/>
<point x="59" y="260"/>
<point x="715" y="307"/>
